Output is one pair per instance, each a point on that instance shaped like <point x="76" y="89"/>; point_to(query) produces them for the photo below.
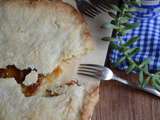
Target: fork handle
<point x="147" y="88"/>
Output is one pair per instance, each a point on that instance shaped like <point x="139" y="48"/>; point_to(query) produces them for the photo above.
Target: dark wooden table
<point x="118" y="102"/>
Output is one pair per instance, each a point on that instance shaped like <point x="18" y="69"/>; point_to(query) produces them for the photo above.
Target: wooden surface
<point x="118" y="102"/>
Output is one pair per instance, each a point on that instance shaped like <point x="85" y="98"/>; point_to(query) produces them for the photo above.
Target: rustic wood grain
<point x="118" y="102"/>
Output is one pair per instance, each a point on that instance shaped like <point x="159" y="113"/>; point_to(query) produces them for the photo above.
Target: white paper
<point x="97" y="56"/>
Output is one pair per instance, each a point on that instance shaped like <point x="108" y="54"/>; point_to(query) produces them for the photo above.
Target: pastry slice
<point x="36" y="36"/>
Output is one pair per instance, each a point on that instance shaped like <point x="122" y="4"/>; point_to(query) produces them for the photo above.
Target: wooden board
<point x="118" y="102"/>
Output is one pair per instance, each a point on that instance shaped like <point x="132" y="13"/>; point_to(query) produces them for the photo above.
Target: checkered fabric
<point x="149" y="42"/>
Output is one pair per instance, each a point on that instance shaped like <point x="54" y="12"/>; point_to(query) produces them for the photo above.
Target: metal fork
<point x="101" y="4"/>
<point x="87" y="8"/>
<point x="103" y="73"/>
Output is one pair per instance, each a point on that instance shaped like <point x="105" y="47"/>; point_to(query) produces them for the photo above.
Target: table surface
<point x="119" y="102"/>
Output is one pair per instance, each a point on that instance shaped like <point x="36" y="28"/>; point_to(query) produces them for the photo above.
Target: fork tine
<point x="93" y="11"/>
<point x="88" y="14"/>
<point x="92" y="8"/>
<point x="101" y="8"/>
<point x="89" y="75"/>
<point x="87" y="8"/>
<point x="100" y="4"/>
<point x="92" y="65"/>
<point x="87" y="71"/>
<point x="88" y="68"/>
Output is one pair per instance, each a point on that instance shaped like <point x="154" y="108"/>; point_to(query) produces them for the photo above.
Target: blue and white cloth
<point x="149" y="34"/>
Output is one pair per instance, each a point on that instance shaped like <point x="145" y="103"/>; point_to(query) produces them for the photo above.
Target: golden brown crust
<point x="60" y="14"/>
<point x="64" y="7"/>
<point x="91" y="98"/>
<point x="89" y="104"/>
<point x="51" y="4"/>
<point x="67" y="8"/>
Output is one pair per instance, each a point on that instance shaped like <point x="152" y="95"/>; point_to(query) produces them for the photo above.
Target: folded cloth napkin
<point x="149" y="34"/>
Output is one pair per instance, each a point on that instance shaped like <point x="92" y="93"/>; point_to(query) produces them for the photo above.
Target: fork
<point x="105" y="5"/>
<point x="101" y="4"/>
<point x="87" y="8"/>
<point x="103" y="73"/>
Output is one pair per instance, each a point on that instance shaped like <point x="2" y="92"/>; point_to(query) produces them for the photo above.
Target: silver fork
<point x="87" y="8"/>
<point x="103" y="73"/>
<point x="101" y="4"/>
<point x="104" y="5"/>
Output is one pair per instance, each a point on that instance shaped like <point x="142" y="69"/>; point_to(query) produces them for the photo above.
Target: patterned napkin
<point x="149" y="42"/>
